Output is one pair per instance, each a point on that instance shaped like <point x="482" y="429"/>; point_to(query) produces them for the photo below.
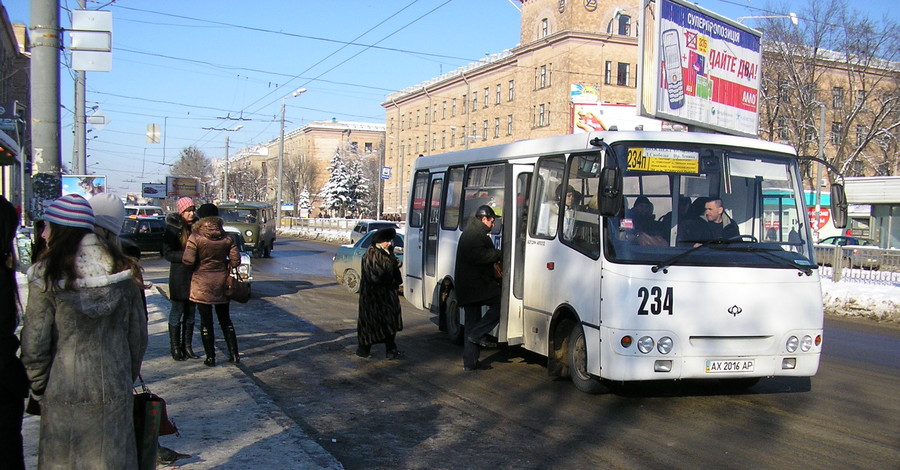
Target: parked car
<point x="245" y="269"/>
<point x="348" y="260"/>
<point x="140" y="211"/>
<point x="146" y="232"/>
<point x="863" y="254"/>
<point x="364" y="226"/>
<point x="255" y="221"/>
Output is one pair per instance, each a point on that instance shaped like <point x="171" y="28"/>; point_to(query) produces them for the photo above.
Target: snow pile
<point x="876" y="302"/>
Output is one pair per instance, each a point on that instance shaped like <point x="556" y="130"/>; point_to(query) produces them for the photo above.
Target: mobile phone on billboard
<point x="674" y="74"/>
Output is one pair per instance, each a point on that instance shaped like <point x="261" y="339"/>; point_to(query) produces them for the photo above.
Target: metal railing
<point x="859" y="264"/>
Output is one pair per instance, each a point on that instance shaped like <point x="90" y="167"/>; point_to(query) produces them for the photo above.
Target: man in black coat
<point x="181" y="316"/>
<point x="476" y="285"/>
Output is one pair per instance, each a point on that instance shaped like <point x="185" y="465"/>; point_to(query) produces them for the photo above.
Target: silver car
<point x="348" y="260"/>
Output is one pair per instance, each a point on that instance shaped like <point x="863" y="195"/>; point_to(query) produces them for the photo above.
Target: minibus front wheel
<point x="577" y="357"/>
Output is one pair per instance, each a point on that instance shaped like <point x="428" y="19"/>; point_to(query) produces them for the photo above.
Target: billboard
<point x="699" y="68"/>
<point x="85" y="186"/>
<point x="588" y="114"/>
<point x="149" y="190"/>
<point x="178" y="186"/>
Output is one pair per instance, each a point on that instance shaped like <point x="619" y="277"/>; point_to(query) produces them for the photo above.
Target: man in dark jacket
<point x="476" y="285"/>
<point x="181" y="316"/>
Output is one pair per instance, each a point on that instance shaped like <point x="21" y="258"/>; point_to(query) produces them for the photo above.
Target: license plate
<point x="713" y="367"/>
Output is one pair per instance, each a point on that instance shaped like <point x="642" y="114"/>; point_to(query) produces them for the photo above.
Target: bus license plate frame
<point x="726" y="366"/>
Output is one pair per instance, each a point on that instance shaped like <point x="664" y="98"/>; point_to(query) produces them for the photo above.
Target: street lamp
<point x="792" y="16"/>
<point x="236" y="128"/>
<point x="296" y="93"/>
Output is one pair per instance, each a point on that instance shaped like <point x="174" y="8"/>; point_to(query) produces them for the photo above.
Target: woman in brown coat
<point x="212" y="254"/>
<point x="379" y="298"/>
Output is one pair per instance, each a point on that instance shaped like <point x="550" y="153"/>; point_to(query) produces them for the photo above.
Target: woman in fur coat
<point x="379" y="300"/>
<point x="181" y="315"/>
<point x="212" y="254"/>
<point x="83" y="340"/>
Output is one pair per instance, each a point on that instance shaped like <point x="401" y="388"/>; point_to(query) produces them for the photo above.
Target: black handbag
<point x="236" y="290"/>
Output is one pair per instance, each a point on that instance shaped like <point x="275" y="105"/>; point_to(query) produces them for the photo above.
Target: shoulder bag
<point x="235" y="289"/>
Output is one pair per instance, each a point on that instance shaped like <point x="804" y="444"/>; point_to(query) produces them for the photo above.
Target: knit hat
<point x="183" y="204"/>
<point x="207" y="210"/>
<point x="71" y="210"/>
<point x="109" y="212"/>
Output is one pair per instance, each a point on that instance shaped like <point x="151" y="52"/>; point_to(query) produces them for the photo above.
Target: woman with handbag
<point x="85" y="322"/>
<point x="212" y="254"/>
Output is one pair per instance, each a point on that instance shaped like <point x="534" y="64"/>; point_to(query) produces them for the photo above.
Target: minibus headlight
<point x="645" y="344"/>
<point x="792" y="344"/>
<point x="665" y="345"/>
<point x="806" y="344"/>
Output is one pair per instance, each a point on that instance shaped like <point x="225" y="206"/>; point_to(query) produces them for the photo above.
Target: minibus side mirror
<point x="838" y="206"/>
<point x="611" y="196"/>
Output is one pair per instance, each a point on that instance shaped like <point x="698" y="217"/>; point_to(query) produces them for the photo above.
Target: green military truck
<point x="255" y="221"/>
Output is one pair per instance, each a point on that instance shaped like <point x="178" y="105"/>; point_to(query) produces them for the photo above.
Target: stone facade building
<point x="521" y="93"/>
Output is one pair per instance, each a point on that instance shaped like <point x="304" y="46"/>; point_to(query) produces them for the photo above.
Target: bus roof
<point x="581" y="141"/>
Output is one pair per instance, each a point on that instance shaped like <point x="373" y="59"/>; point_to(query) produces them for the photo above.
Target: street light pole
<point x="225" y="186"/>
<point x="278" y="201"/>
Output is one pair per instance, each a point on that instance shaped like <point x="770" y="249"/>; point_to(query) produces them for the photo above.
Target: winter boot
<point x="187" y="338"/>
<point x="175" y="342"/>
<point x="231" y="342"/>
<point x="209" y="345"/>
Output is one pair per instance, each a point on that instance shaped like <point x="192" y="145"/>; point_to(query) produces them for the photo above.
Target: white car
<point x="245" y="269"/>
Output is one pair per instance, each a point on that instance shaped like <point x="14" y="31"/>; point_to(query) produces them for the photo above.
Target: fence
<point x="859" y="264"/>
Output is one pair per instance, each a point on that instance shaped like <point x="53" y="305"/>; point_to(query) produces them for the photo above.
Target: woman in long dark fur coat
<point x="379" y="299"/>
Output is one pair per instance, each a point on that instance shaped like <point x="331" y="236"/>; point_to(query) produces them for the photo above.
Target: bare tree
<point x="846" y="63"/>
<point x="193" y="163"/>
<point x="299" y="173"/>
<point x="247" y="183"/>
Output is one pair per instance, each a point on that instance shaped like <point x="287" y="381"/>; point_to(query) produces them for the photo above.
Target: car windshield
<point x="688" y="205"/>
<point x="246" y="216"/>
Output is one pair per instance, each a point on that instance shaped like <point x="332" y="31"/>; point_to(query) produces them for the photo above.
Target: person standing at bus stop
<point x="476" y="285"/>
<point x="182" y="312"/>
<point x="379" y="317"/>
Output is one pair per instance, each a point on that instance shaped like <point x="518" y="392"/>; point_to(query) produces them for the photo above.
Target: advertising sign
<point x="177" y="186"/>
<point x="701" y="69"/>
<point x="153" y="190"/>
<point x="85" y="186"/>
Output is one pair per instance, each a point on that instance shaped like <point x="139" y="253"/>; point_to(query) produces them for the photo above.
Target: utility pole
<point x="225" y="195"/>
<point x="79" y="152"/>
<point x="45" y="116"/>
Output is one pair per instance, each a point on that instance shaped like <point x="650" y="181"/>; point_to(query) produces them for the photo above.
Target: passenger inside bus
<point x="646" y="230"/>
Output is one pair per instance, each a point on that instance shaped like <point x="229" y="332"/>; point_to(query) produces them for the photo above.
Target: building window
<point x="417" y="145"/>
<point x="392" y="127"/>
<point x="487" y="97"/>
<point x="409" y="121"/>
<point x="465" y="104"/>
<point x="474" y="134"/>
<point x="782" y="129"/>
<point x="542" y="77"/>
<point x="453" y="108"/>
<point x="545" y="27"/>
<point x="496" y="127"/>
<point x="434" y="114"/>
<point x="498" y="94"/>
<point x="484" y="130"/>
<point x="512" y="90"/>
<point x="426" y="114"/>
<point x="624" y="25"/>
<point x="444" y="110"/>
<point x="452" y="136"/>
<point x="622" y="78"/>
<point x="418" y="116"/>
<point x="542" y="109"/>
<point x="860" y="98"/>
<point x="443" y="139"/>
<point x="474" y="100"/>
<point x="784" y="91"/>
<point x="368" y="147"/>
<point x="433" y="141"/>
<point x="402" y="121"/>
<point x="607" y="73"/>
<point x="837" y="97"/>
<point x="837" y="129"/>
<point x="860" y="134"/>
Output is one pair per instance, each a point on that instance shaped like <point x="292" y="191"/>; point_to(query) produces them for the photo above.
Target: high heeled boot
<point x="187" y="338"/>
<point x="231" y="342"/>
<point x="175" y="342"/>
<point x="209" y="345"/>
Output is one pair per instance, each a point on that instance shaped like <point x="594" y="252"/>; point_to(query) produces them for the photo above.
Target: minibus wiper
<point x="769" y="254"/>
<point x="671" y="261"/>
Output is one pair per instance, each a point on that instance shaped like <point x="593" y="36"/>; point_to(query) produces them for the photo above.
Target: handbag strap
<point x="143" y="385"/>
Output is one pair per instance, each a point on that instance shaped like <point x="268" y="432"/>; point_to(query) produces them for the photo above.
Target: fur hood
<point x="210" y="227"/>
<point x="175" y="220"/>
<point x="95" y="284"/>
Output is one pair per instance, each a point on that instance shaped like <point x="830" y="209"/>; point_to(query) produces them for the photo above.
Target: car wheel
<point x="351" y="281"/>
<point x="451" y="319"/>
<point x="577" y="357"/>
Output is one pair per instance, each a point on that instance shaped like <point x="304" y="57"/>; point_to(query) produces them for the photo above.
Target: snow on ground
<point x="860" y="299"/>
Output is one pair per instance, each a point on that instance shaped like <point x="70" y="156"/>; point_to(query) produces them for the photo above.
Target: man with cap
<point x="183" y="311"/>
<point x="476" y="285"/>
<point x="379" y="317"/>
